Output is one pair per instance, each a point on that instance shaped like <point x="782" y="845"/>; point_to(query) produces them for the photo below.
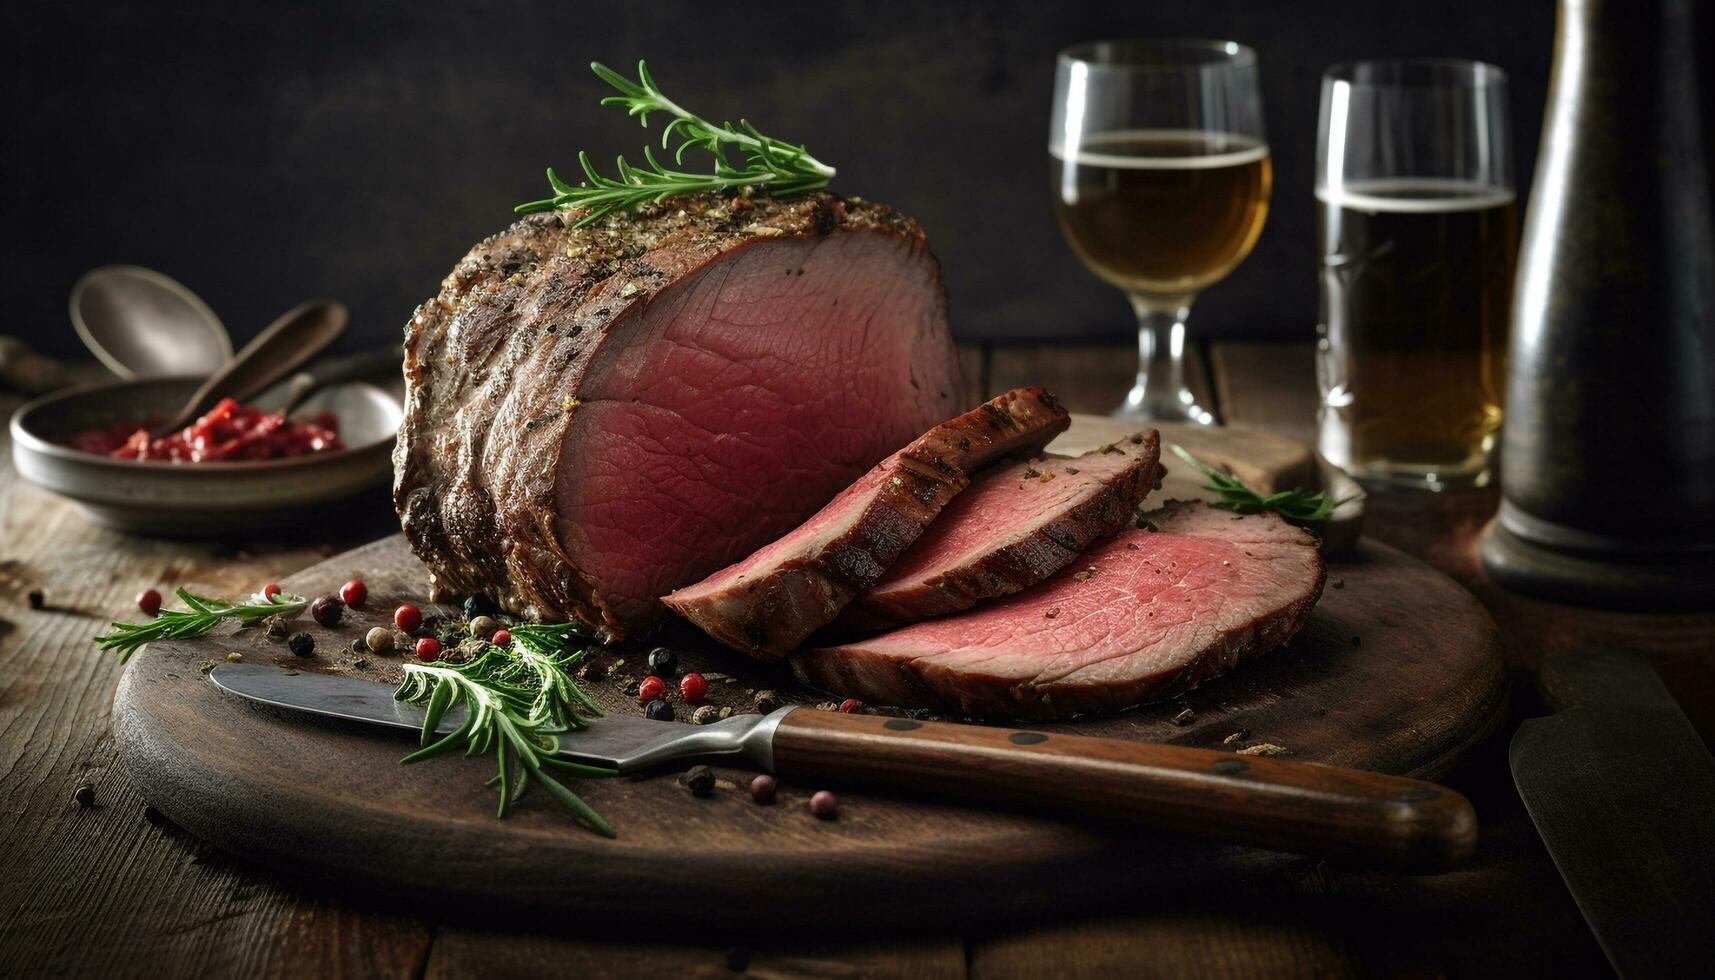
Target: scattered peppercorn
<point x="275" y="627"/>
<point x="663" y="661"/>
<point x="379" y="639"/>
<point x="270" y="590"/>
<point x="148" y="600"/>
<point x="428" y="648"/>
<point x="84" y="795"/>
<point x="850" y="705"/>
<point x="358" y="645"/>
<point x="37" y="600"/>
<point x="767" y="701"/>
<point x="407" y="617"/>
<point x="479" y="605"/>
<point x="501" y="637"/>
<point x="737" y="958"/>
<point x="327" y="610"/>
<point x="206" y="666"/>
<point x="700" y="780"/>
<point x="1184" y="717"/>
<point x="658" y="710"/>
<point x="824" y="805"/>
<point x="233" y="656"/>
<point x="302" y="644"/>
<point x="354" y="592"/>
<point x="651" y="688"/>
<point x="705" y="714"/>
<point x="763" y="788"/>
<point x="692" y="687"/>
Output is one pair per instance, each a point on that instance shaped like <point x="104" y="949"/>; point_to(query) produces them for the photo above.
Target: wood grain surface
<point x="1364" y="685"/>
<point x="115" y="890"/>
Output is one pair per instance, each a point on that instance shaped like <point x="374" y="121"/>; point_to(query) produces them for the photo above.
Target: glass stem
<point x="1160" y="393"/>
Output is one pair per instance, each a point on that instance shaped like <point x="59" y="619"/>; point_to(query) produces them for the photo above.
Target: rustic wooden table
<point x="113" y="889"/>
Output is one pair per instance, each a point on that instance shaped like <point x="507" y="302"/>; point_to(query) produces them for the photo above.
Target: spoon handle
<point x="298" y="335"/>
<point x="350" y="367"/>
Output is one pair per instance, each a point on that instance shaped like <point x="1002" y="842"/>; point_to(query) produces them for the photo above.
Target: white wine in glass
<point x="1161" y="179"/>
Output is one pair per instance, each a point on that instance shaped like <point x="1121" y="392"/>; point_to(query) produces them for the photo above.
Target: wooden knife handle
<point x="1406" y="824"/>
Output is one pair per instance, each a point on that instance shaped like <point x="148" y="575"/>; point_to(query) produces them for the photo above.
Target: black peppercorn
<point x="327" y="610"/>
<point x="663" y="662"/>
<point x="658" y="710"/>
<point x="700" y="780"/>
<point x="479" y="605"/>
<point x="302" y="644"/>
<point x="359" y="646"/>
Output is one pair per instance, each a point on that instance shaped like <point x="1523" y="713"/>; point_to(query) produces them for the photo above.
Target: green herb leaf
<point x="763" y="164"/>
<point x="518" y="700"/>
<point x="204" y="614"/>
<point x="1294" y="505"/>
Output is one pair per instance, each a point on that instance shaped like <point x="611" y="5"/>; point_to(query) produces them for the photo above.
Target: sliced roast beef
<point x="769" y="603"/>
<point x="1012" y="528"/>
<point x="1142" y="616"/>
<point x="597" y="416"/>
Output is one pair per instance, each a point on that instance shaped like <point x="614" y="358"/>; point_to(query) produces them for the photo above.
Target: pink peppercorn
<point x="501" y="638"/>
<point x="762" y="788"/>
<point x="149" y="601"/>
<point x="428" y="648"/>
<point x="692" y="687"/>
<point x="824" y="805"/>
<point x="850" y="705"/>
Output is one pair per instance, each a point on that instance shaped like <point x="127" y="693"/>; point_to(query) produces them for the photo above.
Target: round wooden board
<point x="1398" y="670"/>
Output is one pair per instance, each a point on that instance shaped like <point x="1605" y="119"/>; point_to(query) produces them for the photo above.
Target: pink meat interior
<point x="1000" y="508"/>
<point x="740" y="400"/>
<point x="1130" y="607"/>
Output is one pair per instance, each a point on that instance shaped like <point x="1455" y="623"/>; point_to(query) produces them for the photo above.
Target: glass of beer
<point x="1161" y="184"/>
<point x="1418" y="236"/>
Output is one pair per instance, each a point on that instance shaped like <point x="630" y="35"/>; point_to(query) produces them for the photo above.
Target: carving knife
<point x="1622" y="790"/>
<point x="1302" y="807"/>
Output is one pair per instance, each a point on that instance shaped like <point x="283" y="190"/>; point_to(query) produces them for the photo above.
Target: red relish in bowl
<point x="229" y="432"/>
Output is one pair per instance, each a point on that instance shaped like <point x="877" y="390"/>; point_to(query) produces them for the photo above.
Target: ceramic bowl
<point x="199" y="499"/>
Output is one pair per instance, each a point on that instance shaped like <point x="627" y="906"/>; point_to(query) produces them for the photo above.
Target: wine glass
<point x="1161" y="184"/>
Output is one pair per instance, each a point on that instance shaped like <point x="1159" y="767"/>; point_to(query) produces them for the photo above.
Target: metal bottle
<point x="1608" y="448"/>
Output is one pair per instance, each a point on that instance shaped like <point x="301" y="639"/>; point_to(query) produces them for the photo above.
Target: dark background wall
<point x="263" y="154"/>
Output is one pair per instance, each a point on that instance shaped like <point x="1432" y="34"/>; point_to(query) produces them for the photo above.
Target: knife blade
<point x="1254" y="800"/>
<point x="1622" y="790"/>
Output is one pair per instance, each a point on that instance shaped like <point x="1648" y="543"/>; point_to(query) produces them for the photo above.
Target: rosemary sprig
<point x="518" y="701"/>
<point x="1295" y="505"/>
<point x="204" y="613"/>
<point x="744" y="159"/>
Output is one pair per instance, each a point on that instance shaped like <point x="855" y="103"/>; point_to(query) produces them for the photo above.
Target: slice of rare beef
<point x="769" y="603"/>
<point x="1142" y="616"/>
<point x="596" y="416"/>
<point x="1012" y="528"/>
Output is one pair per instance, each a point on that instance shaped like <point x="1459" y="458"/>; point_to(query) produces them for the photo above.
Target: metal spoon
<point x="141" y="323"/>
<point x="298" y="335"/>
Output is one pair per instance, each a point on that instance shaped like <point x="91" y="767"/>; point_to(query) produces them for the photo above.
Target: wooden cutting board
<point x="1398" y="670"/>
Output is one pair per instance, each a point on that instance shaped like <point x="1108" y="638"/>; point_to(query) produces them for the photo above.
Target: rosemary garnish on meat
<point x="518" y="700"/>
<point x="203" y="615"/>
<point x="744" y="159"/>
<point x="1295" y="505"/>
